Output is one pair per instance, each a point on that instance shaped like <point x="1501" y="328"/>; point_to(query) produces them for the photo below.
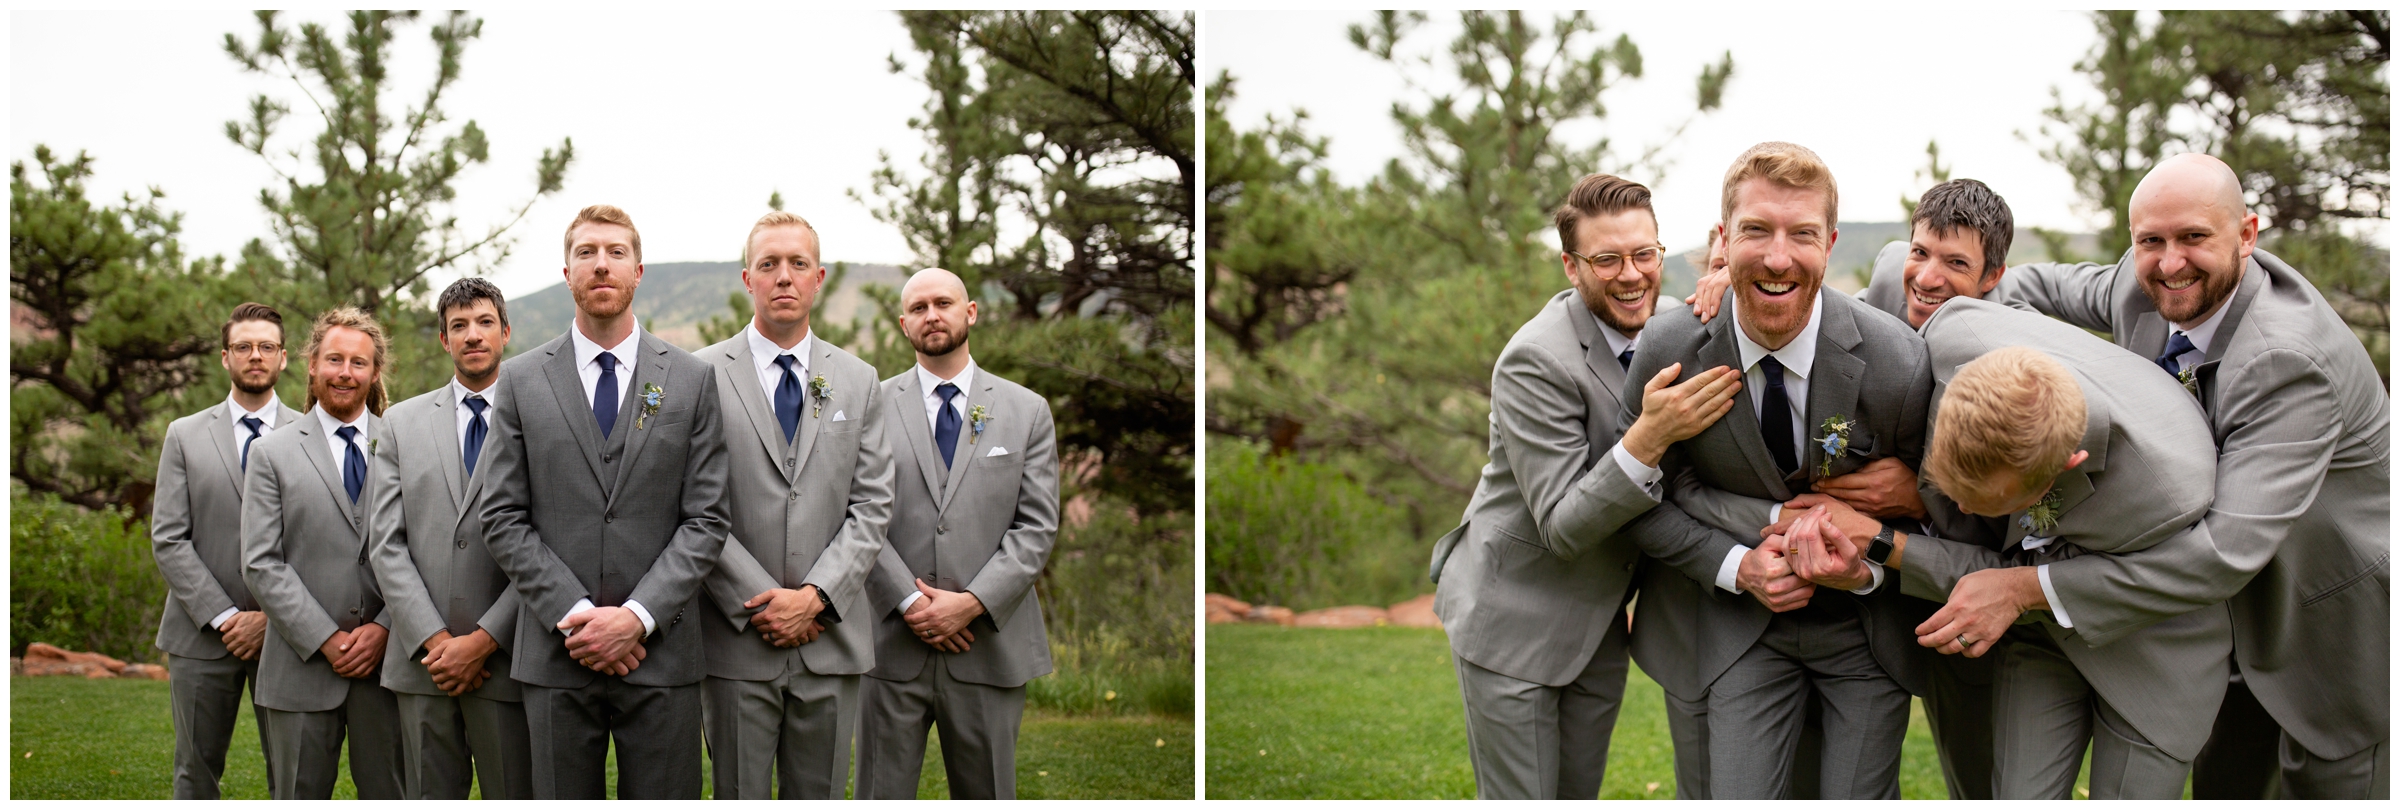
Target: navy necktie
<point x="253" y="424"/>
<point x="945" y="426"/>
<point x="787" y="397"/>
<point x="1775" y="417"/>
<point x="476" y="428"/>
<point x="2176" y="346"/>
<point x="354" y="463"/>
<point x="604" y="397"/>
<point x="1625" y="358"/>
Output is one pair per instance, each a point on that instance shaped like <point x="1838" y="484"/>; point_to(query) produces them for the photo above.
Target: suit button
<point x="354" y="611"/>
<point x="795" y="496"/>
<point x="789" y="462"/>
<point x="609" y="518"/>
<point x="1629" y="566"/>
<point x="607" y="459"/>
<point x="942" y="529"/>
<point x="462" y="544"/>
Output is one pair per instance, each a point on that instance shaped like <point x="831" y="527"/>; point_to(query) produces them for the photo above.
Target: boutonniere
<point x="372" y="444"/>
<point x="1833" y="438"/>
<point x="822" y="390"/>
<point x="652" y="397"/>
<point x="2190" y="378"/>
<point x="976" y="417"/>
<point x="2041" y="518"/>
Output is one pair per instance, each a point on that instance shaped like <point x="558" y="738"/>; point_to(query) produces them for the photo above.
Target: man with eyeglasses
<point x="1536" y="611"/>
<point x="211" y="626"/>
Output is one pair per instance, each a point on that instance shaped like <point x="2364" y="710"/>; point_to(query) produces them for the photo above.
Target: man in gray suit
<point x="304" y="554"/>
<point x="1831" y="388"/>
<point x="2105" y="459"/>
<point x="2301" y="518"/>
<point x="211" y="627"/>
<point x="811" y="490"/>
<point x="453" y="614"/>
<point x="958" y="628"/>
<point x="1536" y="618"/>
<point x="606" y="508"/>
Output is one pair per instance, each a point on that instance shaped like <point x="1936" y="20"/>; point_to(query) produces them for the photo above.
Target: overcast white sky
<point x="687" y="119"/>
<point x="1864" y="89"/>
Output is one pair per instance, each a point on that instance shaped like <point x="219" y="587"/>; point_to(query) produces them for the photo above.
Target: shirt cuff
<point x="910" y="600"/>
<point x="639" y="612"/>
<point x="1875" y="578"/>
<point x="2050" y="594"/>
<point x="1774" y="514"/>
<point x="581" y="605"/>
<point x="219" y="621"/>
<point x="1643" y="475"/>
<point x="1731" y="566"/>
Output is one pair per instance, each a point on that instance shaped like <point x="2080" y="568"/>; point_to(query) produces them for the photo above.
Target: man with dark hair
<point x="1958" y="245"/>
<point x="211" y="627"/>
<point x="453" y="614"/>
<point x="1536" y="617"/>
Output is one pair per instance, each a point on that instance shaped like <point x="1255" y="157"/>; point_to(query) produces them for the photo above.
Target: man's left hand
<point x="603" y="636"/>
<point x="1981" y="607"/>
<point x="456" y="662"/>
<point x="1885" y="488"/>
<point x="1823" y="554"/>
<point x="788" y="617"/>
<point x="366" y="651"/>
<point x="944" y="612"/>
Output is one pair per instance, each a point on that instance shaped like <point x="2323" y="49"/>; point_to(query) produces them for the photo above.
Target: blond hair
<point x="1787" y="164"/>
<point x="2011" y="409"/>
<point x="603" y="215"/>
<point x="348" y="318"/>
<point x="775" y="219"/>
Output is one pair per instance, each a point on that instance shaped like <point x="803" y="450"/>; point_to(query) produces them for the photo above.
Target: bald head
<point x="2192" y="181"/>
<point x="936" y="317"/>
<point x="931" y="279"/>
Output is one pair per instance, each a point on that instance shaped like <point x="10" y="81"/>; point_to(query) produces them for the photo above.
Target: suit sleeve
<point x="2270" y="465"/>
<point x="890" y="582"/>
<point x="1577" y="496"/>
<point x="290" y="609"/>
<point x="674" y="578"/>
<point x="1007" y="578"/>
<point x="408" y="604"/>
<point x="1738" y="515"/>
<point x="2076" y="293"/>
<point x="1666" y="533"/>
<point x="842" y="570"/>
<point x="188" y="579"/>
<point x="738" y="577"/>
<point x="543" y="582"/>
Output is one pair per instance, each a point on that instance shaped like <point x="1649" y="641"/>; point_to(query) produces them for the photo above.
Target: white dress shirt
<point x="466" y="415"/>
<point x="587" y="366"/>
<point x="1799" y="359"/>
<point x="933" y="417"/>
<point x="266" y="416"/>
<point x="2200" y="335"/>
<point x="770" y="374"/>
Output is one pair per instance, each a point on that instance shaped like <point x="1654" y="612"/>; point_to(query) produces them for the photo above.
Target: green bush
<point x="1118" y="594"/>
<point x="1287" y="532"/>
<point x="80" y="579"/>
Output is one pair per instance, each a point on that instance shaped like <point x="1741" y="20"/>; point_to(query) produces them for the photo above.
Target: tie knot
<point x="348" y="433"/>
<point x="253" y="424"/>
<point x="946" y="390"/>
<point x="475" y="403"/>
<point x="1770" y="364"/>
<point x="608" y="362"/>
<point x="786" y="361"/>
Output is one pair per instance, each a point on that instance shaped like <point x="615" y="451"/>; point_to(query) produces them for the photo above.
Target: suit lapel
<point x="1596" y="355"/>
<point x="811" y="421"/>
<point x="963" y="456"/>
<point x="2254" y="283"/>
<point x="742" y="377"/>
<point x="1832" y="386"/>
<point x="1721" y="349"/>
<point x="454" y="467"/>
<point x="651" y="366"/>
<point x="312" y="443"/>
<point x="227" y="455"/>
<point x="909" y="403"/>
<point x="566" y="390"/>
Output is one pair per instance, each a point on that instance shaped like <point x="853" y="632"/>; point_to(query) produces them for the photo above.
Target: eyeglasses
<point x="1608" y="265"/>
<point x="241" y="349"/>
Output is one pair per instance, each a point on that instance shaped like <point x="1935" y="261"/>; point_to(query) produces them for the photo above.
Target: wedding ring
<point x="1964" y="642"/>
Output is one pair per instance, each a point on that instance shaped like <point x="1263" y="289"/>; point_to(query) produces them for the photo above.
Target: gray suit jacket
<point x="304" y="554"/>
<point x="1885" y="292"/>
<point x="1537" y="568"/>
<point x="1870" y="369"/>
<point x="814" y="507"/>
<point x="2302" y="518"/>
<point x="639" y="515"/>
<point x="446" y="579"/>
<point x="2145" y="485"/>
<point x="196" y="530"/>
<point x="988" y="522"/>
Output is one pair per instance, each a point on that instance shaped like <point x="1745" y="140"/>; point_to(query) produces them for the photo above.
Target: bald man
<point x="2302" y="517"/>
<point x="958" y="629"/>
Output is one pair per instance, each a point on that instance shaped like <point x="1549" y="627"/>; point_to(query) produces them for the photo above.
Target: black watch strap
<point x="1879" y="550"/>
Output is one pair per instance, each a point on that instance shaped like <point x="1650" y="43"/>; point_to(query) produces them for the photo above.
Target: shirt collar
<point x="459" y="394"/>
<point x="1617" y="341"/>
<point x="1797" y="356"/>
<point x="267" y="415"/>
<point x="332" y="424"/>
<point x="965" y="379"/>
<point x="763" y="351"/>
<point x="2206" y="331"/>
<point x="587" y="350"/>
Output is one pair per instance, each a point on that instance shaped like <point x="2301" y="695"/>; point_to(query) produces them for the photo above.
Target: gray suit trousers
<point x="2044" y="712"/>
<point x="208" y="701"/>
<point x="2363" y="775"/>
<point x="447" y="743"/>
<point x="1687" y="724"/>
<point x="304" y="749"/>
<point x="2250" y="756"/>
<point x="978" y="726"/>
<point x="1757" y="712"/>
<point x="656" y="729"/>
<point x="1532" y="741"/>
<point x="1960" y="714"/>
<point x="790" y="735"/>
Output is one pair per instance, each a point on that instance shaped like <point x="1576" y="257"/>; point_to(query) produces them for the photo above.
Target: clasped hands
<point x="244" y="632"/>
<point x="608" y="640"/>
<point x="1821" y="546"/>
<point x="354" y="653"/>
<point x="940" y="617"/>
<point x="1821" y="537"/>
<point x="788" y="617"/>
<point x="456" y="662"/>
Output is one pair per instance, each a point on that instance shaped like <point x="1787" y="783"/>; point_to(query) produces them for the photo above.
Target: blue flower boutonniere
<point x="652" y="397"/>
<point x="822" y="390"/>
<point x="976" y="418"/>
<point x="1833" y="438"/>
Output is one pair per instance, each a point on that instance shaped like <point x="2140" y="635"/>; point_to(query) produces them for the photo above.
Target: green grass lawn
<point x="71" y="738"/>
<point x="1374" y="713"/>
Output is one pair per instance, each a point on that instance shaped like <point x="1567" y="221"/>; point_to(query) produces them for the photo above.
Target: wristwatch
<point x="1880" y="549"/>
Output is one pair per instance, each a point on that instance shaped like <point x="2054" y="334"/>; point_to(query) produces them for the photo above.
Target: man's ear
<point x="2075" y="459"/>
<point x="1991" y="280"/>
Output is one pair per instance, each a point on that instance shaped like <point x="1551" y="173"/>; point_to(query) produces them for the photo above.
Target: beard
<point x="260" y="388"/>
<point x="608" y="304"/>
<point x="1783" y="315"/>
<point x="1596" y="298"/>
<point x="2216" y="284"/>
<point x="937" y="344"/>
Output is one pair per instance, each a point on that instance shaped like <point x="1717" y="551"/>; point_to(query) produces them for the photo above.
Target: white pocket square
<point x="840" y="416"/>
<point x="996" y="451"/>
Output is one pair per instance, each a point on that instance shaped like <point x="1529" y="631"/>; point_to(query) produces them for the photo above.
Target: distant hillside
<point x="676" y="296"/>
<point x="1854" y="255"/>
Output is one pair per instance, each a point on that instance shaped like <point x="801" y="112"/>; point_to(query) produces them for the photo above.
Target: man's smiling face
<point x="1777" y="241"/>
